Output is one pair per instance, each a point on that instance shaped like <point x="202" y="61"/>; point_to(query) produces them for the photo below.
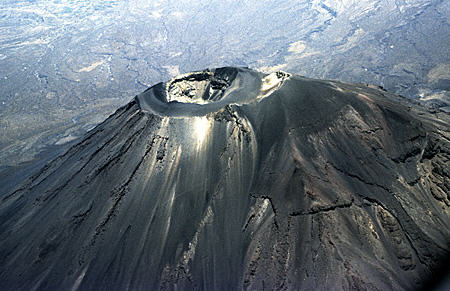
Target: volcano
<point x="231" y="179"/>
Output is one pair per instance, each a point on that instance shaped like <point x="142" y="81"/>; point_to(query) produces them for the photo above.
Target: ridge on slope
<point x="234" y="179"/>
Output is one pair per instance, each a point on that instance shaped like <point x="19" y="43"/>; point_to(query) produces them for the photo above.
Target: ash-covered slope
<point x="231" y="179"/>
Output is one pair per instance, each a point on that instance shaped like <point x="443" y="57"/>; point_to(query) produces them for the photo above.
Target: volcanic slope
<point x="231" y="179"/>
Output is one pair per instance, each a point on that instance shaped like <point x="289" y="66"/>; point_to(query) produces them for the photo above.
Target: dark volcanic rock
<point x="231" y="179"/>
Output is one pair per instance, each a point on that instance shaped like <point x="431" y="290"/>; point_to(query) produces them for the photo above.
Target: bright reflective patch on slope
<point x="202" y="127"/>
<point x="271" y="83"/>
